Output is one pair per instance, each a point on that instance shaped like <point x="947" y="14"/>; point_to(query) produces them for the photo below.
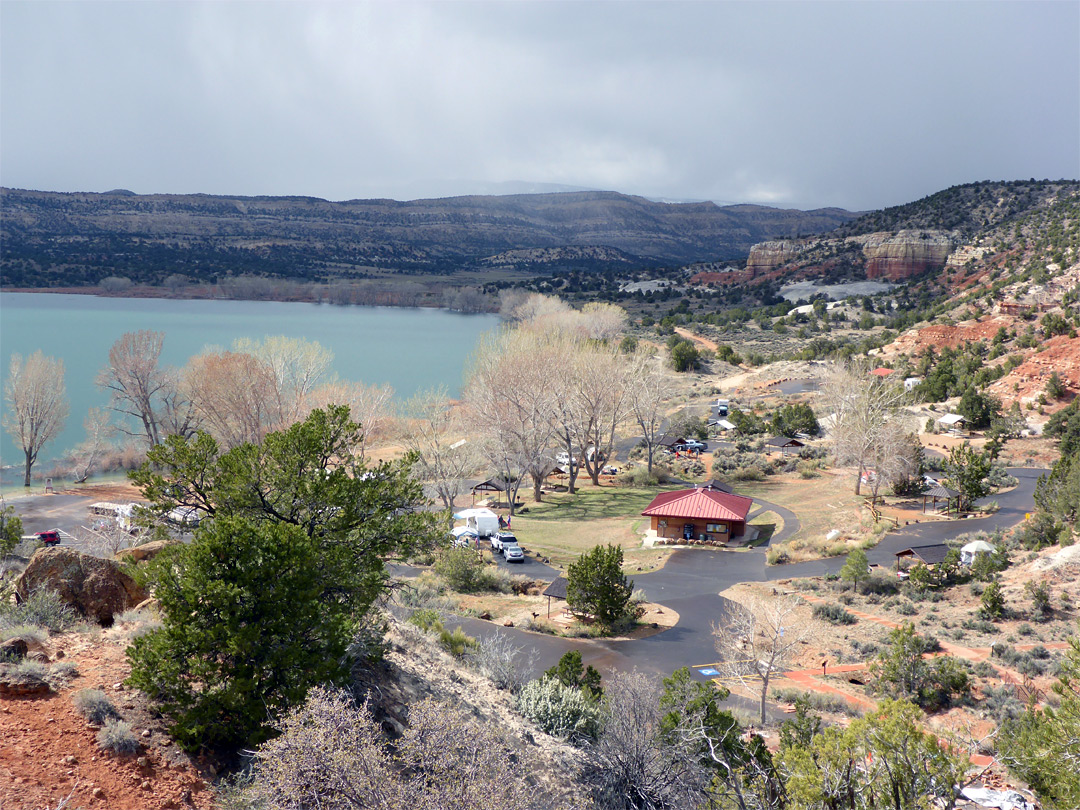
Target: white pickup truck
<point x="499" y="539"/>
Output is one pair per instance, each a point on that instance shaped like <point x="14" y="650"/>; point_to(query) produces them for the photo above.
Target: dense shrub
<point x="834" y="614"/>
<point x="461" y="568"/>
<point x="560" y="710"/>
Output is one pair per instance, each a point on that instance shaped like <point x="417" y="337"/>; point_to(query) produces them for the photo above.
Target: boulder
<point x="14" y="648"/>
<point x="147" y="551"/>
<point x="96" y="588"/>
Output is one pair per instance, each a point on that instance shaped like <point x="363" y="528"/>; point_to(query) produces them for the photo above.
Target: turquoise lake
<point x="410" y="349"/>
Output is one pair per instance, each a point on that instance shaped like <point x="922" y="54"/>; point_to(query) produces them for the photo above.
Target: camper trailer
<point x="119" y="513"/>
<point x="483" y="522"/>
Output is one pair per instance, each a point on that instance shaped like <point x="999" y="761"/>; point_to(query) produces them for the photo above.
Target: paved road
<point x="691" y="581"/>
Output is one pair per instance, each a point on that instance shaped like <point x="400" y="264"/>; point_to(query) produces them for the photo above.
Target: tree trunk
<point x="538" y="496"/>
<point x="764" y="692"/>
<point x="858" y="479"/>
<point x="29" y="464"/>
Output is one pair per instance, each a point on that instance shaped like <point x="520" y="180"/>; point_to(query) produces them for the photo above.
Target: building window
<point x="717" y="528"/>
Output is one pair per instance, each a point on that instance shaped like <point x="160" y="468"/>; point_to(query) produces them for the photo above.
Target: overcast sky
<point x="803" y="104"/>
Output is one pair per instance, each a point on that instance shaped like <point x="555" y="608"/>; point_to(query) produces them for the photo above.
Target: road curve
<point x="692" y="579"/>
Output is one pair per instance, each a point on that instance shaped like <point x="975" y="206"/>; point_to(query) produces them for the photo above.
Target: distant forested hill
<point x="53" y="239"/>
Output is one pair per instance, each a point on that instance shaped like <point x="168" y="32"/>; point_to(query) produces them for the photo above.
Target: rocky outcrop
<point x="891" y="256"/>
<point x="765" y="256"/>
<point x="147" y="551"/>
<point x="98" y="589"/>
<point x="904" y="254"/>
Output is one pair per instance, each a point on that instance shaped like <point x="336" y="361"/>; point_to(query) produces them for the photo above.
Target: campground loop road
<point x="692" y="579"/>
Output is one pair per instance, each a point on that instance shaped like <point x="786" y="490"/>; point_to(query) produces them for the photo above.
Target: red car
<point x="50" y="538"/>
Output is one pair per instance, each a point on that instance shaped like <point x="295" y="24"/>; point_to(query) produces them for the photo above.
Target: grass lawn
<point x="767" y="524"/>
<point x="563" y="525"/>
<point x="821" y="504"/>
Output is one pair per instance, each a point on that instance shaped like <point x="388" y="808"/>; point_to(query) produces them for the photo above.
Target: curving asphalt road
<point x="692" y="579"/>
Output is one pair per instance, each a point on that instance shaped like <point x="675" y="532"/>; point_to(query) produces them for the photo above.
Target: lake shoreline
<point x="213" y="292"/>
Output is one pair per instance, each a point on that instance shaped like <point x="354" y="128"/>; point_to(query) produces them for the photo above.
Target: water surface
<point x="410" y="349"/>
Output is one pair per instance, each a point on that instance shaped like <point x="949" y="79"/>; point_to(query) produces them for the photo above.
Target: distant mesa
<point x="122" y="192"/>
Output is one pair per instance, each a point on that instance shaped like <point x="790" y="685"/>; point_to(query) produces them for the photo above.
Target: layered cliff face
<point x="890" y="256"/>
<point x="765" y="256"/>
<point x="904" y="254"/>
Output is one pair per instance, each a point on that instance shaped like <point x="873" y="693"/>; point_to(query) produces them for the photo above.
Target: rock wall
<point x="764" y="256"/>
<point x="904" y="254"/>
<point x="888" y="256"/>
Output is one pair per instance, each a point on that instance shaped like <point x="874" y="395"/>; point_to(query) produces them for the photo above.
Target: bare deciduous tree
<point x="865" y="410"/>
<point x="88" y="454"/>
<point x="758" y="639"/>
<point x="510" y="405"/>
<point x="137" y="382"/>
<point x="369" y="405"/>
<point x="235" y="395"/>
<point x="432" y="428"/>
<point x="298" y="366"/>
<point x="634" y="765"/>
<point x="648" y="391"/>
<point x="37" y="404"/>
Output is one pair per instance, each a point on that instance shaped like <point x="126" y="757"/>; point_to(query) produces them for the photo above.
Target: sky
<point x="793" y="104"/>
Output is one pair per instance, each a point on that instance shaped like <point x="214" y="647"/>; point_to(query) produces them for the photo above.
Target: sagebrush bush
<point x="502" y="662"/>
<point x="41" y="608"/>
<point x="561" y="711"/>
<point x="834" y="614"/>
<point x="95" y="706"/>
<point x="817" y="701"/>
<point x="116" y="737"/>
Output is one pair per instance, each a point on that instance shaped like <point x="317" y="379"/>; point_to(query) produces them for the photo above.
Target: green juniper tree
<point x="290" y="557"/>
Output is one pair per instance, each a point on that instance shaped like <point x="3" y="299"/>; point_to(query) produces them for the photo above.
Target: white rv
<point x="483" y="522"/>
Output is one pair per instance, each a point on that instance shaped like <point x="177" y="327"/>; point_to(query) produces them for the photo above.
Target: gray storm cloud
<point x="859" y="105"/>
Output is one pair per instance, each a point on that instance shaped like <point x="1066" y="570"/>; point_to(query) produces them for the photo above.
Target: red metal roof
<point x="703" y="504"/>
<point x="882" y="372"/>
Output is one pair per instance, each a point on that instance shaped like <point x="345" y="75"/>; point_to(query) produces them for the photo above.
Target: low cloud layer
<point x="808" y="104"/>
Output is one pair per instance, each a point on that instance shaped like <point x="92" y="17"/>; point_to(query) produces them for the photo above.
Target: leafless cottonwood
<point x="37" y="404"/>
<point x="759" y="638"/>
<point x="602" y="401"/>
<point x="510" y="405"/>
<point x="648" y="390"/>
<point x="369" y="405"/>
<point x="235" y="395"/>
<point x="142" y="389"/>
<point x="299" y="367"/>
<point x="865" y="413"/>
<point x="432" y="427"/>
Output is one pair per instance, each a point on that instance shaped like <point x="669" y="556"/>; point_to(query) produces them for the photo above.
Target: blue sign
<point x="708" y="671"/>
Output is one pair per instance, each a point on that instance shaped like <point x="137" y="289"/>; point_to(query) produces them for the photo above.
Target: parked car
<point x="512" y="553"/>
<point x="691" y="446"/>
<point x="502" y="538"/>
<point x="50" y="537"/>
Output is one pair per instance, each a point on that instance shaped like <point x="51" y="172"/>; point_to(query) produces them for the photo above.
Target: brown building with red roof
<point x="699" y="514"/>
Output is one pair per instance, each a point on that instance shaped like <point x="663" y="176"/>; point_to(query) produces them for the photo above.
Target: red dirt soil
<point x="49" y="751"/>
